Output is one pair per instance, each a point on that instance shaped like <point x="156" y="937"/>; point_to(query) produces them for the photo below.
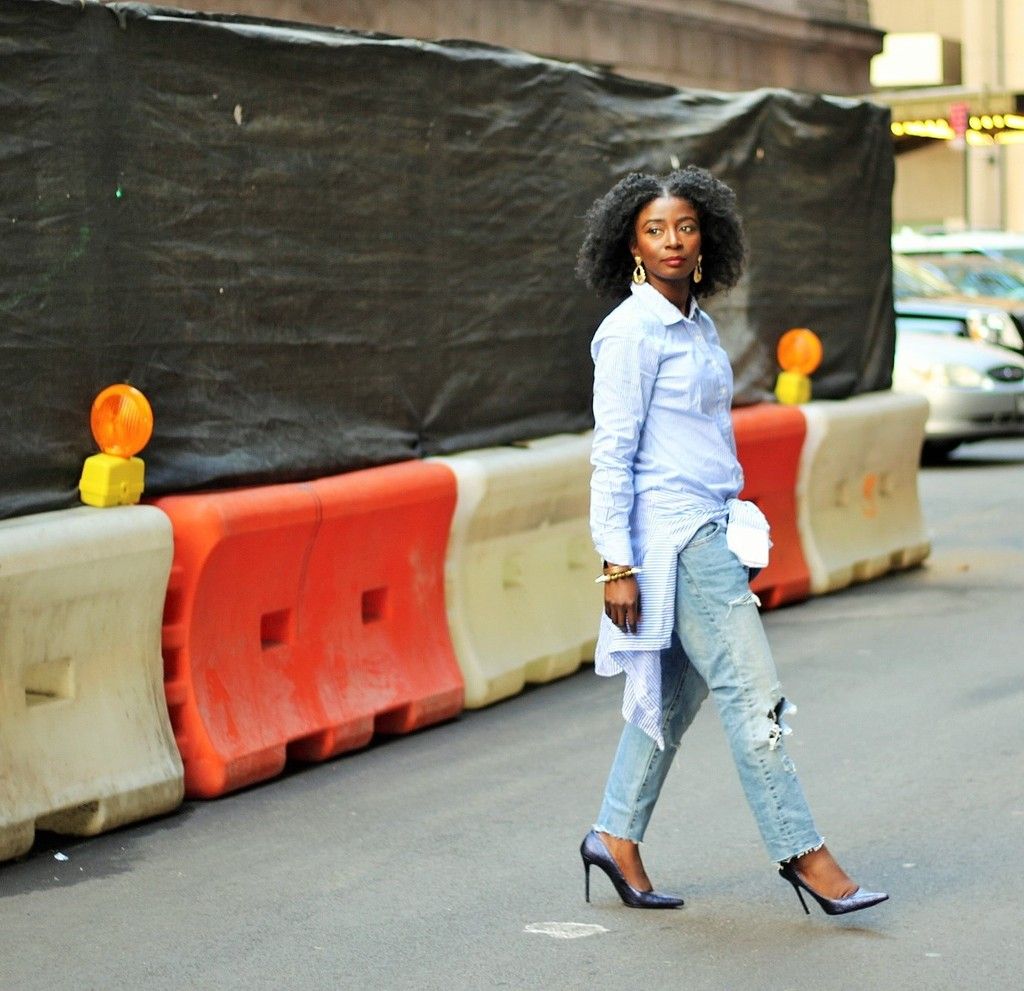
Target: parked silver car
<point x="978" y="275"/>
<point x="975" y="390"/>
<point x="923" y="292"/>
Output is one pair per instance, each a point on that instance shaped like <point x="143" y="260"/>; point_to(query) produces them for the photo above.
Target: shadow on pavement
<point x="87" y="857"/>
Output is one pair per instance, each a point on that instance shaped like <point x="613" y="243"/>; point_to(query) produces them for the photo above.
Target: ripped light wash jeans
<point x="718" y="645"/>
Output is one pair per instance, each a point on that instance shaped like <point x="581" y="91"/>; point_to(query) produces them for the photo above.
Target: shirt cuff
<point x="616" y="548"/>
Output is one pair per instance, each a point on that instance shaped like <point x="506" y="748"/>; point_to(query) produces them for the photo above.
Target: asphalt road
<point x="430" y="862"/>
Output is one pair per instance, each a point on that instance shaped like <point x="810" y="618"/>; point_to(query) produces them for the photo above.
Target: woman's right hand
<point x="622" y="600"/>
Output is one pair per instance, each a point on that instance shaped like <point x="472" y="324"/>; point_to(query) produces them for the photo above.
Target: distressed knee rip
<point x="746" y="599"/>
<point x="778" y="728"/>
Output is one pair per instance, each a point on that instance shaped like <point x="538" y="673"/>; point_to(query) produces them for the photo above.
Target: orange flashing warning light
<point x="122" y="423"/>
<point x="121" y="420"/>
<point x="799" y="352"/>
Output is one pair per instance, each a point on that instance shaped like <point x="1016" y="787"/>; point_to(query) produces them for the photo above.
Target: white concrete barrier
<point x="519" y="572"/>
<point x="85" y="741"/>
<point x="858" y="512"/>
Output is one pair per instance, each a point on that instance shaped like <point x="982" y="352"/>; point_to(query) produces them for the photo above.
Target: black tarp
<point x="318" y="250"/>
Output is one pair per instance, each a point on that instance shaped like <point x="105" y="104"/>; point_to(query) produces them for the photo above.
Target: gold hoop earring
<point x="639" y="273"/>
<point x="697" y="273"/>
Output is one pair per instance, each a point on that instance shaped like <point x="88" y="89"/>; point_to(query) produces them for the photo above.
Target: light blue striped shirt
<point x="664" y="459"/>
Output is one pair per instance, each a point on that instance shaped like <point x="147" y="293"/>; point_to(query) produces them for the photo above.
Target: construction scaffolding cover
<point x="317" y="250"/>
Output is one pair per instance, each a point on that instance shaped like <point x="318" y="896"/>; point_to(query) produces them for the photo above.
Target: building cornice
<point x="749" y="19"/>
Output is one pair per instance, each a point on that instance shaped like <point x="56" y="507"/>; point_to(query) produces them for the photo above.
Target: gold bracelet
<point x="616" y="575"/>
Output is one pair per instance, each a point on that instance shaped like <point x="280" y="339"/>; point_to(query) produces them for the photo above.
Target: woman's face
<point x="666" y="236"/>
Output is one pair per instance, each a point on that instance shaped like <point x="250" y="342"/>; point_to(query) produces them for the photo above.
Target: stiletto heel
<point x="800" y="895"/>
<point x="593" y="851"/>
<point x="831" y="906"/>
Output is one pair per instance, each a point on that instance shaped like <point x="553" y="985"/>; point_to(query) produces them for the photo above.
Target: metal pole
<point x="966" y="156"/>
<point x="1000" y="26"/>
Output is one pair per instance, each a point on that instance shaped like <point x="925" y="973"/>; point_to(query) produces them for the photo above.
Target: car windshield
<point x="975" y="275"/>
<point x="911" y="279"/>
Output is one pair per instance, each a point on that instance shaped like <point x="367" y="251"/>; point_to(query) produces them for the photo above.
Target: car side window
<point x="932" y="325"/>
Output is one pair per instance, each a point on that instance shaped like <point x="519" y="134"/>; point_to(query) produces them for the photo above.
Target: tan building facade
<point x="977" y="181"/>
<point x="809" y="45"/>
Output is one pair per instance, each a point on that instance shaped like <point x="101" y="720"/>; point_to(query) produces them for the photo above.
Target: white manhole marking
<point x="564" y="930"/>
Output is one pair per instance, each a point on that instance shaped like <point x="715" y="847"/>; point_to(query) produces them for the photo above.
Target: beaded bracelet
<point x="616" y="575"/>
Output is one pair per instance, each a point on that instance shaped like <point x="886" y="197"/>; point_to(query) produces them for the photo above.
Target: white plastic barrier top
<point x="858" y="511"/>
<point x="519" y="572"/>
<point x="85" y="741"/>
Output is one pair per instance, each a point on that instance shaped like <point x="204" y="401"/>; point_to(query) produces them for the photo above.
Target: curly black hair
<point x="604" y="261"/>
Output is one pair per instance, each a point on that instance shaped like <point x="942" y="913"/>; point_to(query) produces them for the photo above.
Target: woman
<point x="679" y="617"/>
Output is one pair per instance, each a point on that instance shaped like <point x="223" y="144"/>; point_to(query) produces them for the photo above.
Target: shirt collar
<point x="665" y="311"/>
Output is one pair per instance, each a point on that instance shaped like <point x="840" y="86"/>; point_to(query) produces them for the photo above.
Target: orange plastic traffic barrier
<point x="374" y="614"/>
<point x="237" y="679"/>
<point x="301" y="619"/>
<point x="769" y="439"/>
